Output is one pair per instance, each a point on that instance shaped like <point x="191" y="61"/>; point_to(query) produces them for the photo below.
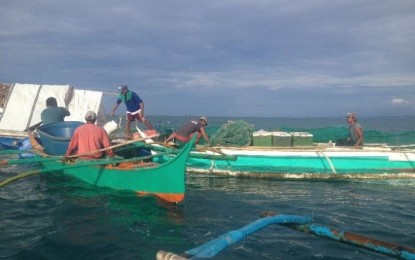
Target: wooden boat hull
<point x="166" y="180"/>
<point x="333" y="163"/>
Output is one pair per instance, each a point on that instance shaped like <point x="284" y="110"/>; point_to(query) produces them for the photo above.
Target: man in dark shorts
<point x="135" y="108"/>
<point x="187" y="130"/>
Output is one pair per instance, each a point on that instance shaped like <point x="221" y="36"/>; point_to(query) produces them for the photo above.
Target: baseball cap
<point x="203" y="118"/>
<point x="90" y="116"/>
<point x="122" y="87"/>
<point x="351" y="114"/>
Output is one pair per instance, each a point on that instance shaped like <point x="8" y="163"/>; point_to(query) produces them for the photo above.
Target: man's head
<point x="90" y="117"/>
<point x="51" y="102"/>
<point x="123" y="89"/>
<point x="351" y="117"/>
<point x="204" y="120"/>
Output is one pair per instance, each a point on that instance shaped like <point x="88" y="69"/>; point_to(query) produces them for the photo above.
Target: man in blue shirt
<point x="52" y="113"/>
<point x="135" y="108"/>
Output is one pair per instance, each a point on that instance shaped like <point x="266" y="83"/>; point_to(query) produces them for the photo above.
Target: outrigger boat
<point x="314" y="162"/>
<point x="161" y="174"/>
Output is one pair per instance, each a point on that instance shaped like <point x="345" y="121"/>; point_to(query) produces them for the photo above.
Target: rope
<point x="328" y="160"/>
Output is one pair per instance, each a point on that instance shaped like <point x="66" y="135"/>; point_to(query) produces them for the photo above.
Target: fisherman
<point x="135" y="108"/>
<point x="89" y="138"/>
<point x="185" y="133"/>
<point x="356" y="134"/>
<point x="52" y="113"/>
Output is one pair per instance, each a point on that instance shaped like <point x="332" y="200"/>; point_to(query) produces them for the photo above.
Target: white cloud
<point x="400" y="101"/>
<point x="239" y="49"/>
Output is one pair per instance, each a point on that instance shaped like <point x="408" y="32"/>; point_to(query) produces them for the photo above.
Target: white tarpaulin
<point x="27" y="101"/>
<point x="60" y="92"/>
<point x="19" y="107"/>
<point x="83" y="101"/>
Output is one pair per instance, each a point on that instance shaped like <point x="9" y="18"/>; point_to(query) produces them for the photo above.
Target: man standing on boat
<point x="52" y="113"/>
<point x="89" y="138"/>
<point x="186" y="131"/>
<point x="356" y="135"/>
<point x="135" y="108"/>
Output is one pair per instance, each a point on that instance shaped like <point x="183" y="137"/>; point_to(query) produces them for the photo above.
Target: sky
<point x="259" y="58"/>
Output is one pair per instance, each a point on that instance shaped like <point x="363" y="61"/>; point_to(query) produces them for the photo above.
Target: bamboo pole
<point x="110" y="147"/>
<point x="29" y="160"/>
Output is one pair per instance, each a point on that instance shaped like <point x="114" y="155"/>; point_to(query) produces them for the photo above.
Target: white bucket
<point x="110" y="127"/>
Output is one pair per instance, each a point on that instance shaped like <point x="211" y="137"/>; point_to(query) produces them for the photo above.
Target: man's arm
<point x="205" y="136"/>
<point x="142" y="110"/>
<point x="114" y="108"/>
<point x="359" y="134"/>
<point x="73" y="144"/>
<point x="107" y="143"/>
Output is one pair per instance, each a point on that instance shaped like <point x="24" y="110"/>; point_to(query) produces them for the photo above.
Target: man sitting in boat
<point x="52" y="113"/>
<point x="88" y="139"/>
<point x="356" y="135"/>
<point x="185" y="133"/>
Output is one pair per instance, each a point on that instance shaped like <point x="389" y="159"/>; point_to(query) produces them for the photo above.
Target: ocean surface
<point x="44" y="217"/>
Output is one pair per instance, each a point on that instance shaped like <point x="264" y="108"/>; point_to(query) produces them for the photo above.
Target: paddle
<point x="74" y="165"/>
<point x="33" y="127"/>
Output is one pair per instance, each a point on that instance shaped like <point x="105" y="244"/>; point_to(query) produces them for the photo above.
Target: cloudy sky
<point x="270" y="58"/>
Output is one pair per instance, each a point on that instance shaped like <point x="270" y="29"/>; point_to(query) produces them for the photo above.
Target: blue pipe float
<point x="214" y="246"/>
<point x="299" y="223"/>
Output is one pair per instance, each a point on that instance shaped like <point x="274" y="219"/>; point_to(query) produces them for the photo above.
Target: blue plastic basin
<point x="55" y="137"/>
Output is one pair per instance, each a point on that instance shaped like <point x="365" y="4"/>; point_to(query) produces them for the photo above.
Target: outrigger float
<point x="299" y="223"/>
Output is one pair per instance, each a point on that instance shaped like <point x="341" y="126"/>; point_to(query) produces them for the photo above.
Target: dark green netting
<point x="233" y="133"/>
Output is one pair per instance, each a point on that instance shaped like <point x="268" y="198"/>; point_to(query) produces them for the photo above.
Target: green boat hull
<point x="310" y="164"/>
<point x="165" y="180"/>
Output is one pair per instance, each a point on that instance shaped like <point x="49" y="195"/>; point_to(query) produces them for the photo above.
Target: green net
<point x="233" y="133"/>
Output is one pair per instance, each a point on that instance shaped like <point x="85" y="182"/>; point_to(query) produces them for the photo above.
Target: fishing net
<point x="233" y="133"/>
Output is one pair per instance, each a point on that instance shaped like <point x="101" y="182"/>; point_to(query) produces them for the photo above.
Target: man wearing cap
<point x="88" y="138"/>
<point x="356" y="136"/>
<point x="187" y="130"/>
<point x="135" y="108"/>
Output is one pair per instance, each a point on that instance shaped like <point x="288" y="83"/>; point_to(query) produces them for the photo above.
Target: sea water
<point x="62" y="218"/>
